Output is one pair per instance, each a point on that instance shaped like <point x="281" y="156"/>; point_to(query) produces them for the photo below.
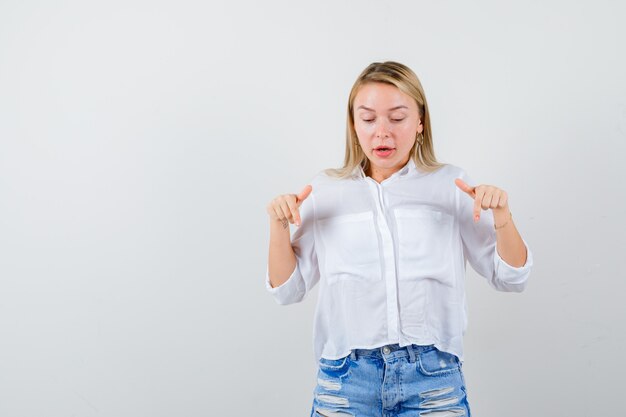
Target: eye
<point x="368" y="120"/>
<point x="397" y="120"/>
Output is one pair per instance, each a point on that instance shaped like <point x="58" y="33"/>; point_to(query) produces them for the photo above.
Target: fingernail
<point x="475" y="218"/>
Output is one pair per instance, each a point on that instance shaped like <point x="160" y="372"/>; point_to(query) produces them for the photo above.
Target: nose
<point x="382" y="129"/>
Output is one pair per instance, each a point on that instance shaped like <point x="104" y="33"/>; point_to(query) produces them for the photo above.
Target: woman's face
<point x="385" y="117"/>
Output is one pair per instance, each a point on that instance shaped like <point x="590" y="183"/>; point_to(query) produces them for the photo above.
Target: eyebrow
<point x="393" y="108"/>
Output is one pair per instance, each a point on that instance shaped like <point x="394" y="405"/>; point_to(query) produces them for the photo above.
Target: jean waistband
<point x="392" y="351"/>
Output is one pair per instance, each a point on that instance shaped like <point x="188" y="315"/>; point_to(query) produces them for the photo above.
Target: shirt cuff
<point x="513" y="274"/>
<point x="289" y="291"/>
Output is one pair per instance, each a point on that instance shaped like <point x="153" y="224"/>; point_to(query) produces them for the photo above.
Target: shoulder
<point x="450" y="171"/>
<point x="458" y="172"/>
<point x="323" y="179"/>
<point x="318" y="181"/>
<point x="447" y="173"/>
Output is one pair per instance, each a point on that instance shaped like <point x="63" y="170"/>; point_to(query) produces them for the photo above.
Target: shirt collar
<point x="408" y="168"/>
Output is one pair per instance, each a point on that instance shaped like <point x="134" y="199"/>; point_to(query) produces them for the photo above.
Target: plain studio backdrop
<point x="141" y="141"/>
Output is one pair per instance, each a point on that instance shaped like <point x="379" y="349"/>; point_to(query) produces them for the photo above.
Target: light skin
<point x="386" y="116"/>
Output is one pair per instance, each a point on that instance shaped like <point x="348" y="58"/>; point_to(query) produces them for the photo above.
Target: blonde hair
<point x="403" y="78"/>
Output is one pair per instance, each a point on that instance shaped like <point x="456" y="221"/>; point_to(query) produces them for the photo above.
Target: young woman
<point x="387" y="237"/>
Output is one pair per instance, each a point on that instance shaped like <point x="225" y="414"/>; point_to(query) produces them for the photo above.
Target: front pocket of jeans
<point x="335" y="367"/>
<point x="437" y="362"/>
<point x="425" y="244"/>
<point x="351" y="245"/>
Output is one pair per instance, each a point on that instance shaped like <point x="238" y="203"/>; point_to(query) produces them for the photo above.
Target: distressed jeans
<point x="416" y="380"/>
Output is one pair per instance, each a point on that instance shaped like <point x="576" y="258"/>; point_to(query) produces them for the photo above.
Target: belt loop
<point x="353" y="354"/>
<point x="411" y="353"/>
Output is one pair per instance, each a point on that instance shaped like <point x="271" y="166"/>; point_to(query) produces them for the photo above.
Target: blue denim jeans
<point x="391" y="381"/>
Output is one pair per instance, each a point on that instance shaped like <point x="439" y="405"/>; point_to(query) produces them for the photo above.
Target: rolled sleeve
<point x="510" y="277"/>
<point x="289" y="291"/>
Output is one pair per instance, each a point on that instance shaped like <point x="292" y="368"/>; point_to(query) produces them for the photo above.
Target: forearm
<point x="282" y="259"/>
<point x="510" y="245"/>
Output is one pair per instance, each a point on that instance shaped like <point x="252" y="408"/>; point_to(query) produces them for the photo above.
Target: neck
<point x="381" y="174"/>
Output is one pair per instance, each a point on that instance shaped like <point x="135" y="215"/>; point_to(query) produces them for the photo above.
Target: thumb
<point x="464" y="187"/>
<point x="304" y="194"/>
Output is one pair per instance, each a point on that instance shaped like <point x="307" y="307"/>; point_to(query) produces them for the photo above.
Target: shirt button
<point x="386" y="350"/>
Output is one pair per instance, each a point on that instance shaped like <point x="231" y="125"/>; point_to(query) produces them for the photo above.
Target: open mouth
<point x="383" y="151"/>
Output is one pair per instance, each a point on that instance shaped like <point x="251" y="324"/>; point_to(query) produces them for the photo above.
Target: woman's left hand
<point x="485" y="197"/>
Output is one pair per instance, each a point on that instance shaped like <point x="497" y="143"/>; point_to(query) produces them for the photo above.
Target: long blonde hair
<point x="403" y="78"/>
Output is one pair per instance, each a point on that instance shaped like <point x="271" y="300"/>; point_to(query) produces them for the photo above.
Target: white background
<point x="140" y="142"/>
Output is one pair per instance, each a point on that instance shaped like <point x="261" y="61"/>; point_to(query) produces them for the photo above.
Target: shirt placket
<point x="389" y="270"/>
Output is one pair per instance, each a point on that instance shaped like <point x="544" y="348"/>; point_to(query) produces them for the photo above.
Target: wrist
<point x="502" y="218"/>
<point x="279" y="224"/>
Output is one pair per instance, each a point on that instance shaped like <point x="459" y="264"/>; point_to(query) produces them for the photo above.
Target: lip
<point x="384" y="154"/>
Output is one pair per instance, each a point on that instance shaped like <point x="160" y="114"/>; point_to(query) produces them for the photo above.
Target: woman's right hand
<point x="285" y="207"/>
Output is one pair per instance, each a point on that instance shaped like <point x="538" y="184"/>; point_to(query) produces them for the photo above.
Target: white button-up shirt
<point x="390" y="259"/>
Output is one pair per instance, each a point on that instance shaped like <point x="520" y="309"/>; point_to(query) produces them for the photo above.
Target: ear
<point x="420" y="128"/>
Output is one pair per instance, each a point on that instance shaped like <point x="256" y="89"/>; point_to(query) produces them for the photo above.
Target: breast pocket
<point x="351" y="246"/>
<point x="425" y="244"/>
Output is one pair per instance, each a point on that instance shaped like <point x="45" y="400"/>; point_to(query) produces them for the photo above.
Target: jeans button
<point x="386" y="350"/>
